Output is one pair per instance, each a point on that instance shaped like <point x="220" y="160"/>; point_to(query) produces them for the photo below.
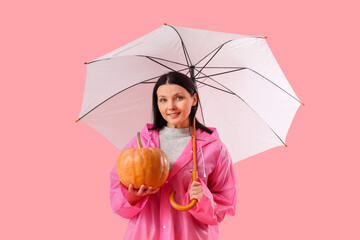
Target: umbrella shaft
<point x="192" y="68"/>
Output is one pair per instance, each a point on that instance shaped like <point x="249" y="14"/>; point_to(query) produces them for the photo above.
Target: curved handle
<point x="192" y="204"/>
<point x="179" y="207"/>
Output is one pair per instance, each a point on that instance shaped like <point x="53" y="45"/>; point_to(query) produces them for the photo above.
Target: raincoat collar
<point x="202" y="138"/>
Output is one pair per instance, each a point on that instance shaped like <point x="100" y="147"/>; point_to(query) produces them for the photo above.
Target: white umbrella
<point x="243" y="92"/>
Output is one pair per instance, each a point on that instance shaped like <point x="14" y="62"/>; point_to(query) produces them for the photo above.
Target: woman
<point x="175" y="101"/>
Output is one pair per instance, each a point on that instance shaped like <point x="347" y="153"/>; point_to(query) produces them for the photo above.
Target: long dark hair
<point x="185" y="82"/>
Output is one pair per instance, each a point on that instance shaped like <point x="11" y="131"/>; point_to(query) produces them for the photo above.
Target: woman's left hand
<point x="196" y="191"/>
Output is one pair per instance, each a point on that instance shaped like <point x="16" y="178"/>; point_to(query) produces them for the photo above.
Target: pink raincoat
<point x="154" y="218"/>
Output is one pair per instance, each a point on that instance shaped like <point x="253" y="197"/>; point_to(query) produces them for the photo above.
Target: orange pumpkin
<point x="138" y="166"/>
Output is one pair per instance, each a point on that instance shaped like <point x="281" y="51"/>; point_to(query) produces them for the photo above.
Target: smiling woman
<point x="181" y="91"/>
<point x="175" y="102"/>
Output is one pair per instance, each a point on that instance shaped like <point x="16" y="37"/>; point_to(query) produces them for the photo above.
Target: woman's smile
<point x="174" y="115"/>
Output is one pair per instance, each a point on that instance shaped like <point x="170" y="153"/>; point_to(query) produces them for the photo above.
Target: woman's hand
<point x="196" y="191"/>
<point x="135" y="195"/>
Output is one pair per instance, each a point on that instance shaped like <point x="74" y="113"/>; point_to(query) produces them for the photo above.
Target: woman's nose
<point x="171" y="105"/>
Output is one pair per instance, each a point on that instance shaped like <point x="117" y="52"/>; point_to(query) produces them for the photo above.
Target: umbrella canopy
<point x="243" y="92"/>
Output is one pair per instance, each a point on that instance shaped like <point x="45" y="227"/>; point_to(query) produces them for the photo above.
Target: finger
<point x="131" y="188"/>
<point x="154" y="191"/>
<point x="196" y="188"/>
<point x="195" y="183"/>
<point x="196" y="196"/>
<point x="192" y="196"/>
<point x="150" y="190"/>
<point x="141" y="189"/>
<point x="195" y="193"/>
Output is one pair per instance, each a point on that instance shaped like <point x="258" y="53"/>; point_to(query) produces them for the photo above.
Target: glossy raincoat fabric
<point x="154" y="218"/>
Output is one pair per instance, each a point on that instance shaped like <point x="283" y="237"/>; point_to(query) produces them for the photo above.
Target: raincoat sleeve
<point x="219" y="193"/>
<point x="118" y="202"/>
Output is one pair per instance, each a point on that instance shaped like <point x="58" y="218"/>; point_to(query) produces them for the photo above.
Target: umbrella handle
<point x="179" y="207"/>
<point x="194" y="178"/>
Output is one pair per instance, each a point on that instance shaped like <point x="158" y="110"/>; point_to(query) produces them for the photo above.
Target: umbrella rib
<point x="206" y="84"/>
<point x="216" y="52"/>
<point x="187" y="57"/>
<point x="181" y="64"/>
<point x="248" y="106"/>
<point x="244" y="68"/>
<point x="201" y="109"/>
<point x="166" y="60"/>
<point x="148" y="81"/>
<point x="159" y="63"/>
<point x="164" y="64"/>
<point x="221" y="67"/>
<point x="142" y="82"/>
<point x="209" y="54"/>
<point x="216" y="74"/>
<point x="97" y="60"/>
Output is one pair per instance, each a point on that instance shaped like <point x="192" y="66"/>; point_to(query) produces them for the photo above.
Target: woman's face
<point x="175" y="104"/>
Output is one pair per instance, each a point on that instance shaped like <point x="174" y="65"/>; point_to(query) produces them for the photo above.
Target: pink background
<point x="55" y="173"/>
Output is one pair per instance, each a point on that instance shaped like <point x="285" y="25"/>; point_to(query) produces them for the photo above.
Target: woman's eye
<point x="162" y="100"/>
<point x="179" y="97"/>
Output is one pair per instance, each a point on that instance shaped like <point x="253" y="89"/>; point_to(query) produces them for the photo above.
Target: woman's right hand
<point x="135" y="195"/>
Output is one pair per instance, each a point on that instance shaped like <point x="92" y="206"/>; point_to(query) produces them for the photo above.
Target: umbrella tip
<point x="302" y="103"/>
<point x="165" y="24"/>
<point x="265" y="37"/>
<point x="77" y="120"/>
<point x="86" y="63"/>
<point x="285" y="144"/>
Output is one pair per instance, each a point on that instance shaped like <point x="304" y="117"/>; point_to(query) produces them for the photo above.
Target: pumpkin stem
<point x="139" y="140"/>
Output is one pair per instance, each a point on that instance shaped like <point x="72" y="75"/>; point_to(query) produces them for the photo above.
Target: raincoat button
<point x="152" y="144"/>
<point x="164" y="226"/>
